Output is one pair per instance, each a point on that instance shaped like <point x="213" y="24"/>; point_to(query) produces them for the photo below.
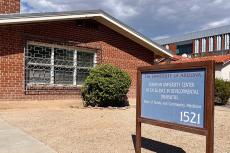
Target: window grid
<point x="53" y="65"/>
<point x="75" y="70"/>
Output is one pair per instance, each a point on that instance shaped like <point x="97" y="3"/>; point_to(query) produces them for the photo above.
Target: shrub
<point x="222" y="91"/>
<point x="105" y="86"/>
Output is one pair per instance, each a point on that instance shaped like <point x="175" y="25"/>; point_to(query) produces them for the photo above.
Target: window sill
<point x="52" y="87"/>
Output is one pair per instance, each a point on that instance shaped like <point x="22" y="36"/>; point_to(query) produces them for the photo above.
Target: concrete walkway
<point x="13" y="140"/>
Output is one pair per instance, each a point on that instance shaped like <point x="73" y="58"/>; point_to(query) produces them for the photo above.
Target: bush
<point x="222" y="91"/>
<point x="105" y="86"/>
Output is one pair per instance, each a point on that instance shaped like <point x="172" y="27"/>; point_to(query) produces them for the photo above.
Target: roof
<point x="195" y="35"/>
<point x="220" y="59"/>
<point x="177" y="57"/>
<point x="97" y="15"/>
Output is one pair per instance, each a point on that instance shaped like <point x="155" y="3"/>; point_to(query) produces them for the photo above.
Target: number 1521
<point x="190" y="117"/>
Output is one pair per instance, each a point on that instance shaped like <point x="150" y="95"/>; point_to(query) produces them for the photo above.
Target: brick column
<point x="214" y="43"/>
<point x="222" y="42"/>
<point x="200" y="45"/>
<point x="9" y="6"/>
<point x="193" y="46"/>
<point x="207" y="44"/>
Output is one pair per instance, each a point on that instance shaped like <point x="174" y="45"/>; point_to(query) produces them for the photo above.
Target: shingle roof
<point x="223" y="59"/>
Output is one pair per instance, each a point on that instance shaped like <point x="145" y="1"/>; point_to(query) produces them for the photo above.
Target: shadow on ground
<point x="157" y="146"/>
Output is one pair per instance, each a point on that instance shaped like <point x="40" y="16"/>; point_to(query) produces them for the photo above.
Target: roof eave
<point x="101" y="17"/>
<point x="45" y="19"/>
<point x="138" y="38"/>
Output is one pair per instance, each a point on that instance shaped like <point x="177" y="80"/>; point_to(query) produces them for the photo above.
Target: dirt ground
<point x="68" y="128"/>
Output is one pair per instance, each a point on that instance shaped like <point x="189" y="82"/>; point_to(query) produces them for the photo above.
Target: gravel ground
<point x="77" y="130"/>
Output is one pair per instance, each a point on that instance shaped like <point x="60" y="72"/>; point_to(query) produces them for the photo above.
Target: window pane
<point x="38" y="54"/>
<point x="81" y="75"/>
<point x="38" y="74"/>
<point x="85" y="59"/>
<point x="63" y="75"/>
<point x="226" y="41"/>
<point x="63" y="57"/>
<point x="196" y="46"/>
<point x="218" y="39"/>
<point x="184" y="49"/>
<point x="203" y="44"/>
<point x="210" y="44"/>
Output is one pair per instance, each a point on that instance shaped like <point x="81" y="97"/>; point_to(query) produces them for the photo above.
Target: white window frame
<point x="203" y="45"/>
<point x="218" y="43"/>
<point x="210" y="44"/>
<point x="75" y="49"/>
<point x="226" y="41"/>
<point x="196" y="46"/>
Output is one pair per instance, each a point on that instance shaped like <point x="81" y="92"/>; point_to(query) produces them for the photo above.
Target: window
<point x="210" y="44"/>
<point x="196" y="46"/>
<point x="38" y="74"/>
<point x="84" y="62"/>
<point x="226" y="41"/>
<point x="218" y="43"/>
<point x="184" y="49"/>
<point x="50" y="64"/>
<point x="38" y="64"/>
<point x="63" y="66"/>
<point x="203" y="45"/>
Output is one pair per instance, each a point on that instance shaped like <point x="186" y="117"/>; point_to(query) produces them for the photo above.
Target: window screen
<point x="53" y="65"/>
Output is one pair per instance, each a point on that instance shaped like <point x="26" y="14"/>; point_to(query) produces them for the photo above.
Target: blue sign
<point x="175" y="96"/>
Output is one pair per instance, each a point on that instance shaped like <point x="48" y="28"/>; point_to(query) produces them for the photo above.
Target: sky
<point x="155" y="19"/>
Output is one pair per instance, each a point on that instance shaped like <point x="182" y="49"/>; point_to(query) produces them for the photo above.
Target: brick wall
<point x="113" y="48"/>
<point x="193" y="46"/>
<point x="222" y="42"/>
<point x="9" y="6"/>
<point x="200" y="45"/>
<point x="214" y="43"/>
<point x="207" y="44"/>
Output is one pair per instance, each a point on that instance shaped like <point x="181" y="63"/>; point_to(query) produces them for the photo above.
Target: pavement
<point x="14" y="140"/>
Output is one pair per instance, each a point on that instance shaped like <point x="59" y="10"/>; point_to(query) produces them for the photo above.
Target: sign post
<point x="177" y="96"/>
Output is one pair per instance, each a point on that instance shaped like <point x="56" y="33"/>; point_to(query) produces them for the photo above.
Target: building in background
<point x="211" y="44"/>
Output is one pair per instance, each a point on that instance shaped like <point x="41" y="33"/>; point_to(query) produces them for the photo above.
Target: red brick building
<point x="48" y="55"/>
